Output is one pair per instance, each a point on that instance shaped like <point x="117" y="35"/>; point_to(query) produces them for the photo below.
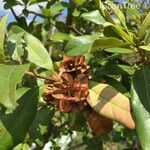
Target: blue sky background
<point x="35" y="8"/>
<point x="18" y="11"/>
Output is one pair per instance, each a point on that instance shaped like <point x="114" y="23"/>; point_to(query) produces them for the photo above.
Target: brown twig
<point x="34" y="74"/>
<point x="76" y="146"/>
<point x="75" y="30"/>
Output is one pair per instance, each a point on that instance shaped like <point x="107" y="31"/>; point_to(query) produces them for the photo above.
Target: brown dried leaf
<point x="99" y="124"/>
<point x="65" y="106"/>
<point x="107" y="101"/>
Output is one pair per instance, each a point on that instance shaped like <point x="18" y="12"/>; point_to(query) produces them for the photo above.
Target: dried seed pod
<point x="70" y="87"/>
<point x="73" y="65"/>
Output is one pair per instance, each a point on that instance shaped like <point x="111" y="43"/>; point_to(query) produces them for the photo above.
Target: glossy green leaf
<point x="118" y="13"/>
<point x="15" y="125"/>
<point x="9" y="77"/>
<point x="126" y="36"/>
<point x="79" y="45"/>
<point x="94" y="17"/>
<point x="119" y="50"/>
<point x="104" y="43"/>
<point x="2" y="33"/>
<point x="37" y="53"/>
<point x="141" y="105"/>
<point x="145" y="26"/>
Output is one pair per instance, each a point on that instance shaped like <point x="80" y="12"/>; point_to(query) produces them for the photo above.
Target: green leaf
<point x="80" y="50"/>
<point x="9" y="77"/>
<point x="43" y="118"/>
<point x="37" y="53"/>
<point x="145" y="26"/>
<point x="79" y="2"/>
<point x="15" y="45"/>
<point x="79" y="45"/>
<point x="103" y="11"/>
<point x="126" y="36"/>
<point x="77" y="121"/>
<point x="119" y="50"/>
<point x="147" y="37"/>
<point x="94" y="17"/>
<point x="115" y="69"/>
<point x="109" y="31"/>
<point x="22" y="146"/>
<point x="10" y="4"/>
<point x="116" y="84"/>
<point x="141" y="105"/>
<point x="141" y="82"/>
<point x="21" y="91"/>
<point x="32" y="2"/>
<point x="14" y="126"/>
<point x="2" y="58"/>
<point x="118" y="13"/>
<point x="106" y="43"/>
<point x="134" y="15"/>
<point x="56" y="8"/>
<point x="2" y="33"/>
<point x="145" y="47"/>
<point x="46" y="12"/>
<point x="60" y="37"/>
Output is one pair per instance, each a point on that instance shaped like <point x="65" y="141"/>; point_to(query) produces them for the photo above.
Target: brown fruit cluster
<point x="69" y="90"/>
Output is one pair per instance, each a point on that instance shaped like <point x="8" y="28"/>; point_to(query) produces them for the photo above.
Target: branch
<point x="37" y="14"/>
<point x="13" y="12"/>
<point x="34" y="74"/>
<point x="69" y="17"/>
<point x="76" y="146"/>
<point x="75" y="30"/>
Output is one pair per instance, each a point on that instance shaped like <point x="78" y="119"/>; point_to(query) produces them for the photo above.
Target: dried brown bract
<point x="69" y="91"/>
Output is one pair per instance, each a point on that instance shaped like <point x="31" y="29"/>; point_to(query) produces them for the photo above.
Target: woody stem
<point x="36" y="75"/>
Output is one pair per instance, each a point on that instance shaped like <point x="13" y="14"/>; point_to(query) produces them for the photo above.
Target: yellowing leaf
<point x="108" y="102"/>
